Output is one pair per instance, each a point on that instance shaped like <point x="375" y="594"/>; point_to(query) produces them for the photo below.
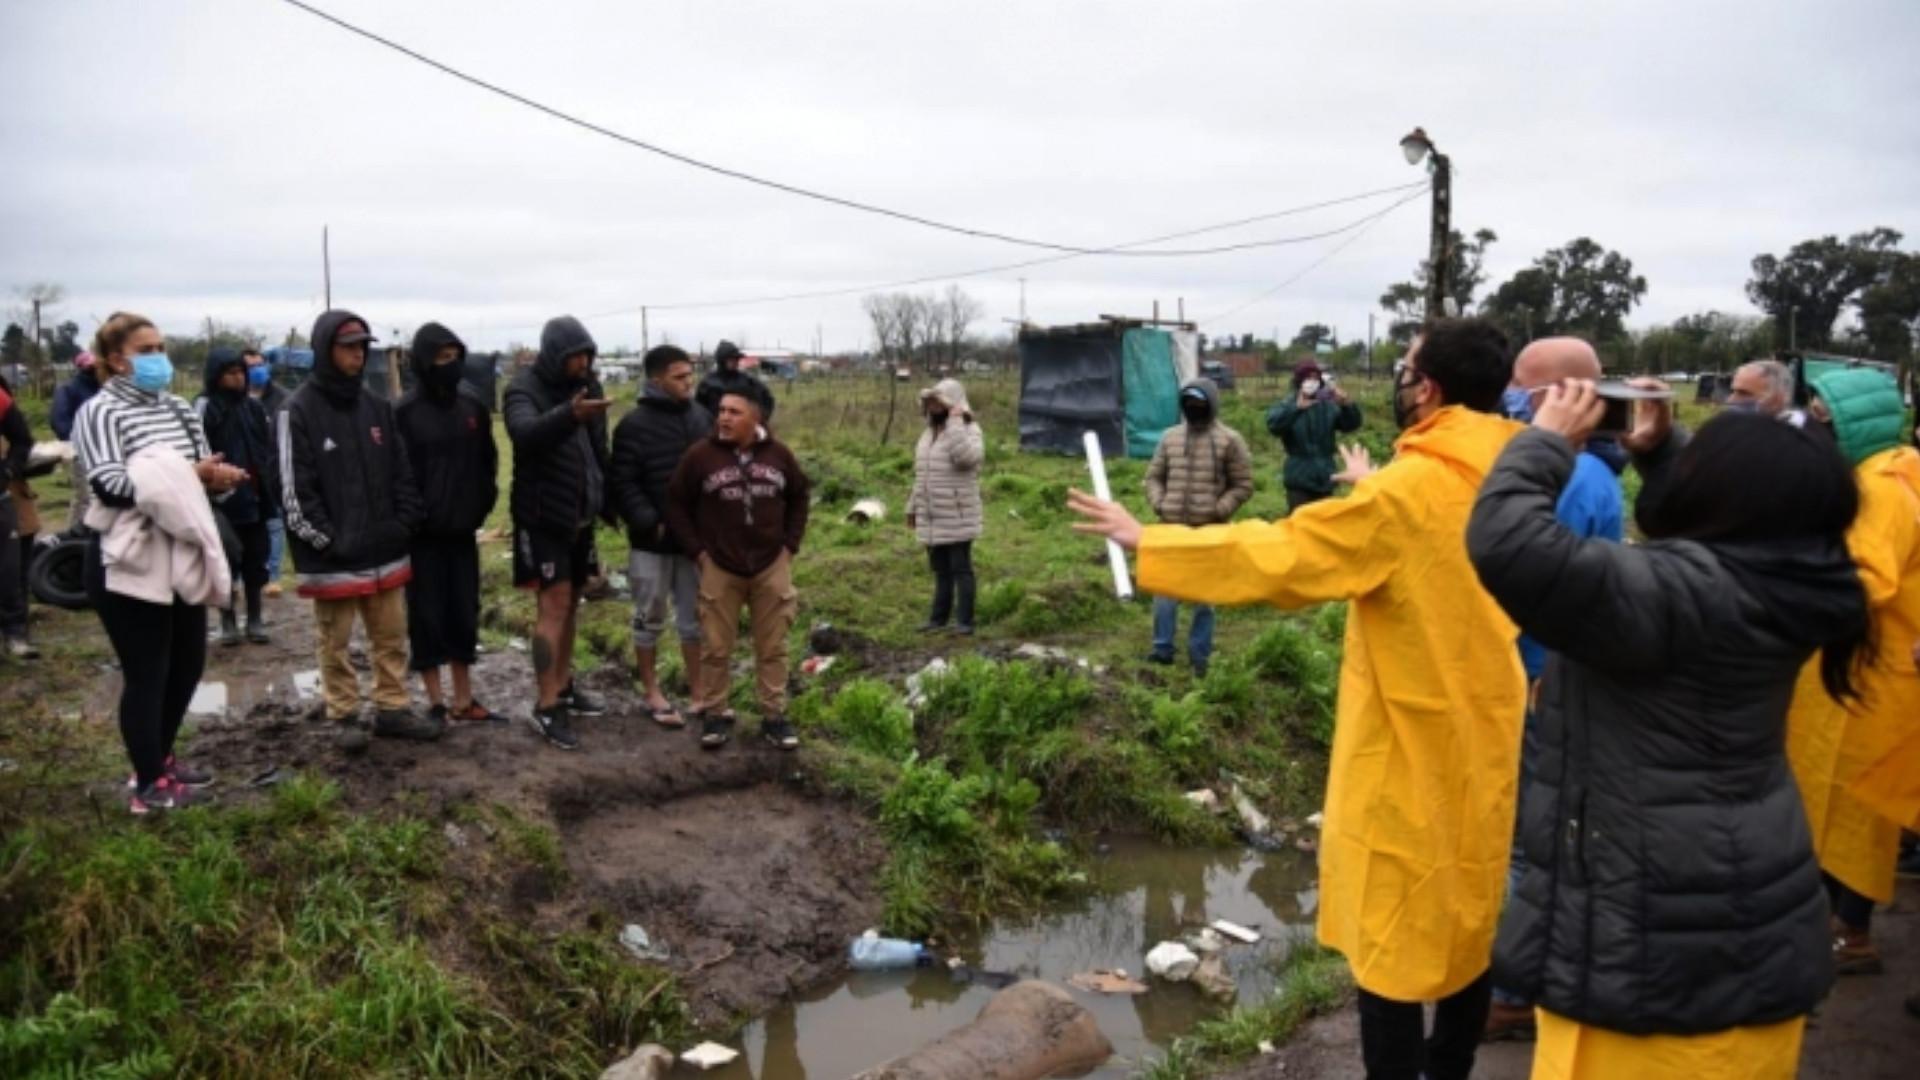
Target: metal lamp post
<point x="1418" y="147"/>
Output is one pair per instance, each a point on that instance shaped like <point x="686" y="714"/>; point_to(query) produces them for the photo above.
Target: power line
<point x="808" y="193"/>
<point x="1365" y="225"/>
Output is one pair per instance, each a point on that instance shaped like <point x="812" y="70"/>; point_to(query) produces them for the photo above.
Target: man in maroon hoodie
<point x="737" y="504"/>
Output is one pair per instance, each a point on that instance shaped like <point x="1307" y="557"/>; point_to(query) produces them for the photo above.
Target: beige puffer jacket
<point x="946" y="472"/>
<point x="1200" y="476"/>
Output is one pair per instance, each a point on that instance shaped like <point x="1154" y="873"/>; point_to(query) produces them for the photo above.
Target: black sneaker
<point x="1159" y="658"/>
<point x="437" y="714"/>
<point x="149" y="799"/>
<point x="580" y="703"/>
<point x="715" y="730"/>
<point x="406" y="724"/>
<point x="552" y="725"/>
<point x="779" y="733"/>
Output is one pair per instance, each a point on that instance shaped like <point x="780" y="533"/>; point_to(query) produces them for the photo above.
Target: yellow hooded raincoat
<point x="1426" y="744"/>
<point x="1832" y="746"/>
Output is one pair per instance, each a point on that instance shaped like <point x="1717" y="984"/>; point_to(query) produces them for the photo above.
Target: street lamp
<point x="1418" y="147"/>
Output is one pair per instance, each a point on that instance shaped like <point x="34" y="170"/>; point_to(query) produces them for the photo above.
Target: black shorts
<point x="542" y="558"/>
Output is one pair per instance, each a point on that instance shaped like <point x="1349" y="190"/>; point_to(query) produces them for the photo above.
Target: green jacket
<point x="1307" y="435"/>
<point x="1867" y="411"/>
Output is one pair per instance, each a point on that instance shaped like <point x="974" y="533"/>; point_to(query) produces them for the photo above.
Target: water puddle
<point x="209" y="699"/>
<point x="242" y="692"/>
<point x="1146" y="893"/>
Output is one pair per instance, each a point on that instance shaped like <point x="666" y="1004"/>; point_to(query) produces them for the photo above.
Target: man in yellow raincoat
<point x="1426" y="745"/>
<point x="1830" y="744"/>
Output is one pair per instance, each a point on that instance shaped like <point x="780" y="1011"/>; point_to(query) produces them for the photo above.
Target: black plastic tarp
<point x="1071" y="384"/>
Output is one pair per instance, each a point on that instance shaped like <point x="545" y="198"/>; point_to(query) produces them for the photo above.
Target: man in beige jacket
<point x="1201" y="473"/>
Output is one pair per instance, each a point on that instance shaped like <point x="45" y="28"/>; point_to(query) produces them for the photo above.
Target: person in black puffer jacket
<point x="557" y="419"/>
<point x="727" y="378"/>
<point x="1670" y="886"/>
<point x="237" y="428"/>
<point x="448" y="431"/>
<point x="647" y="446"/>
<point x="351" y="506"/>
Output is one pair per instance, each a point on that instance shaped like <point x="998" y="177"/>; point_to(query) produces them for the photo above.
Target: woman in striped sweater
<point x="162" y="647"/>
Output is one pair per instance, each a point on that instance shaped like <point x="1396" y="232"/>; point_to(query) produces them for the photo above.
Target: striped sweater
<point x="119" y="422"/>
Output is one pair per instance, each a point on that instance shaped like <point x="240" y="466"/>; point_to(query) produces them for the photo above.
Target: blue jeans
<point x="276" y="543"/>
<point x="1166" y="623"/>
<point x="1517" y="860"/>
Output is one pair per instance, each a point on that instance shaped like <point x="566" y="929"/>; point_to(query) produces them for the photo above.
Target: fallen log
<point x="1029" y="1031"/>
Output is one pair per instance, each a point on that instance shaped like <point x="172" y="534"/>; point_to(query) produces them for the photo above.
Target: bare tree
<point x="957" y="312"/>
<point x="883" y="314"/>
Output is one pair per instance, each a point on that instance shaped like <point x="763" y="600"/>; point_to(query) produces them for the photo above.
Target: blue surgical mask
<point x="1748" y="405"/>
<point x="152" y="372"/>
<point x="258" y="376"/>
<point x="1517" y="403"/>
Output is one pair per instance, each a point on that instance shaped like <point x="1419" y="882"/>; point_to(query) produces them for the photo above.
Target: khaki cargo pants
<point x="770" y="598"/>
<point x="385" y="616"/>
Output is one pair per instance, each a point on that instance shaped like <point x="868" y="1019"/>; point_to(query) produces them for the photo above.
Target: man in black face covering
<point x="727" y="378"/>
<point x="1201" y="473"/>
<point x="448" y="430"/>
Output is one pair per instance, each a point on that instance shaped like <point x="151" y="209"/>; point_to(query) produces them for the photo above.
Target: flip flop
<point x="473" y="713"/>
<point x="667" y="716"/>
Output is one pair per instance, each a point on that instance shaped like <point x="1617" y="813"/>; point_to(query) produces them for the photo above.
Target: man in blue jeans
<point x="1590" y="505"/>
<point x="1200" y="474"/>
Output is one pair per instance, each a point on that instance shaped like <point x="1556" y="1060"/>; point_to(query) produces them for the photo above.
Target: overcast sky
<point x="179" y="158"/>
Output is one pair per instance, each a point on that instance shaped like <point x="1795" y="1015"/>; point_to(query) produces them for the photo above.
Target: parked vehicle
<point x="1221" y="374"/>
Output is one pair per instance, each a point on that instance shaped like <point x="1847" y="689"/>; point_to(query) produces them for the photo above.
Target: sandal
<point x="472" y="713"/>
<point x="666" y="716"/>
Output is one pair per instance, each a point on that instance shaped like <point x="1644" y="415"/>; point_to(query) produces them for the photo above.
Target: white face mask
<point x="1310" y="387"/>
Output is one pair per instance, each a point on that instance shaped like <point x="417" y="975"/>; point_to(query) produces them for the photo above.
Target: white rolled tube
<point x="1097" y="465"/>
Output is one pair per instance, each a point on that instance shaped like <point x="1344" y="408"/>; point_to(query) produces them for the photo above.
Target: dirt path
<point x="752" y="883"/>
<point x="1862" y="1032"/>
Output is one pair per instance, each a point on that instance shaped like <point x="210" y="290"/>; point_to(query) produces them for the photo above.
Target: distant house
<point x="1242" y="364"/>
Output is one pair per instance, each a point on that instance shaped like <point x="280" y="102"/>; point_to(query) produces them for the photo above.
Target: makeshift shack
<point x="1118" y="378"/>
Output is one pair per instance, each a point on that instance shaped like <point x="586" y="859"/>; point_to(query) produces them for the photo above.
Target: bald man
<point x="1590" y="505"/>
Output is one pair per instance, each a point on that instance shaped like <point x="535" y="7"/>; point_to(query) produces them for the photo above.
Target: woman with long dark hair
<point x="1671" y="920"/>
<point x="161" y="644"/>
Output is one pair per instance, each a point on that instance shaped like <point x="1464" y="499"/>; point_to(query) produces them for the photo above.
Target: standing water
<point x="1143" y="893"/>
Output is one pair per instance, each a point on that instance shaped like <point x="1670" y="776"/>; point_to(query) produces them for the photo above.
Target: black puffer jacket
<point x="647" y="445"/>
<point x="1670" y="885"/>
<point x="346" y="483"/>
<point x="559" y="464"/>
<point x="237" y="428"/>
<point x="449" y="435"/>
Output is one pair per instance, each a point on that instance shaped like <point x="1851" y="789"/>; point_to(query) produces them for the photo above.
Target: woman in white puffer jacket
<point x="944" y="510"/>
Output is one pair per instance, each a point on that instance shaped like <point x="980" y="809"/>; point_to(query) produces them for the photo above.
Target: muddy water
<point x="1145" y="893"/>
<point x="237" y="693"/>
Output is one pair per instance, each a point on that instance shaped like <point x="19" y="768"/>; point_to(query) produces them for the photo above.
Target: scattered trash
<point x="1212" y="979"/>
<point x="1032" y="651"/>
<point x="962" y="972"/>
<point x="1237" y="932"/>
<point x="814" y="665"/>
<point x="916" y="684"/>
<point x="867" y="510"/>
<point x="1172" y="961"/>
<point x="1314" y="819"/>
<point x="1307" y="844"/>
<point x="517" y="644"/>
<point x="648" y="1062"/>
<point x="1103" y="981"/>
<point x="1250" y="815"/>
<point x="709" y="1055"/>
<point x="617" y="581"/>
<point x="871" y="952"/>
<point x="635" y="940"/>
<point x="1266" y="1047"/>
<point x="1205" y="940"/>
<point x="824" y="640"/>
<point x="1205" y="799"/>
<point x="455" y="836"/>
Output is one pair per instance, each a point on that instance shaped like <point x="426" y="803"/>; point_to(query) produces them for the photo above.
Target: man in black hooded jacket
<point x="448" y="432"/>
<point x="727" y="378"/>
<point x="351" y="508"/>
<point x="558" y="423"/>
<point x="237" y="429"/>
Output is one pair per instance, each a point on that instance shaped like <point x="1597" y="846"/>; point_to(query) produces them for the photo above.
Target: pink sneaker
<point x="147" y="800"/>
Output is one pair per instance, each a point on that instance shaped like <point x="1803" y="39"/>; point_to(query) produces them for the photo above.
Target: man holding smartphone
<point x="557" y="421"/>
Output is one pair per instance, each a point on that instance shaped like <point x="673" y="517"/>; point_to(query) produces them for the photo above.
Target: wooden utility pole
<point x="645" y="338"/>
<point x="326" y="266"/>
<point x="1440" y="261"/>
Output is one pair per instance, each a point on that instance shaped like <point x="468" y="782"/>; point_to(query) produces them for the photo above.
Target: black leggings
<point x="162" y="650"/>
<point x="1395" y="1045"/>
<point x="1852" y="909"/>
<point x="255" y="543"/>
<point x="952" y="574"/>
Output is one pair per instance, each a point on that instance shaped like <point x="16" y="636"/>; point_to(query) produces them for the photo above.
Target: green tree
<point x="1808" y="288"/>
<point x="13" y="346"/>
<point x="1406" y="301"/>
<point x="1582" y="288"/>
<point x="1312" y="335"/>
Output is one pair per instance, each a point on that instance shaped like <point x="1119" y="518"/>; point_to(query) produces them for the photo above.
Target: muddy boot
<point x="349" y="737"/>
<point x="1854" y="954"/>
<point x="406" y="724"/>
<point x="229" y="628"/>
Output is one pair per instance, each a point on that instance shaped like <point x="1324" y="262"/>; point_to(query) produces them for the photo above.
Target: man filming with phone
<point x="1306" y="424"/>
<point x="558" y="423"/>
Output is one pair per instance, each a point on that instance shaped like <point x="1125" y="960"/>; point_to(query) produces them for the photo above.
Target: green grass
<point x="1313" y="980"/>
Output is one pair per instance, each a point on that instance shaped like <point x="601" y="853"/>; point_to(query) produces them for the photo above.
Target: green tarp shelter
<point x="1115" y="379"/>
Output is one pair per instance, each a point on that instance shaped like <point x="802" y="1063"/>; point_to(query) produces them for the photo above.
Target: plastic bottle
<point x="871" y="952"/>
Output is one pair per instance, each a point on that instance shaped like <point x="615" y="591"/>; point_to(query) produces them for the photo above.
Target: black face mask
<point x="442" y="380"/>
<point x="1196" y="412"/>
<point x="1403" y="412"/>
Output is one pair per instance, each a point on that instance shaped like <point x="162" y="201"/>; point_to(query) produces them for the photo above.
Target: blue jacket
<point x="67" y="401"/>
<point x="1590" y="505"/>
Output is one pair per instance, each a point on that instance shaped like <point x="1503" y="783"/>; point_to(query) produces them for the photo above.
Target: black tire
<point x="58" y="576"/>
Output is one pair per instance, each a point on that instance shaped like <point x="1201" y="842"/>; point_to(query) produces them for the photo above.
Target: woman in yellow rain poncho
<point x="1426" y="744"/>
<point x="1832" y="744"/>
<point x="1670" y="923"/>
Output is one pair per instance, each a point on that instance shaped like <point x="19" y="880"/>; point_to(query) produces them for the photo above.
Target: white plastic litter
<point x="1172" y="961"/>
<point x="1250" y="815"/>
<point x="635" y="940"/>
<point x="1237" y="932"/>
<point x="709" y="1055"/>
<point x="916" y="684"/>
<point x="867" y="510"/>
<point x="1314" y="819"/>
<point x="1205" y="799"/>
<point x="1206" y="940"/>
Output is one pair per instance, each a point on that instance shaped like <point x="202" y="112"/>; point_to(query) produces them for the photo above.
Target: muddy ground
<point x="753" y="884"/>
<point x="1862" y="1032"/>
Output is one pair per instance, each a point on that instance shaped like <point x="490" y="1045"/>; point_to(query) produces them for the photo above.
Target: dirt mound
<point x="753" y="883"/>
